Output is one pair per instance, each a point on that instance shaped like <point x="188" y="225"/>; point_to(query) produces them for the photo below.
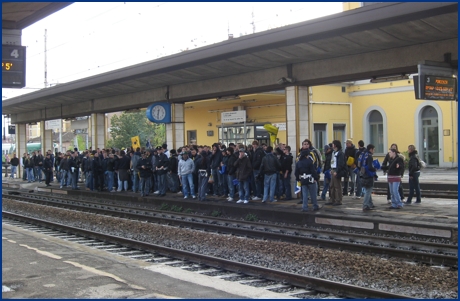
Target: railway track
<point x="287" y="284"/>
<point x="409" y="250"/>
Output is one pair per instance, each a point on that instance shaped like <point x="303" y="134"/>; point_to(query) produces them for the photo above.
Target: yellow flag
<point x="272" y="130"/>
<point x="135" y="141"/>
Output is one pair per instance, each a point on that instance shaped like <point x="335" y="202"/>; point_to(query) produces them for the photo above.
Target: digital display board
<point x="13" y="66"/>
<point x="439" y="87"/>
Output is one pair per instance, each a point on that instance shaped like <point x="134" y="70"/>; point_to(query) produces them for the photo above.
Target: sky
<point x="89" y="38"/>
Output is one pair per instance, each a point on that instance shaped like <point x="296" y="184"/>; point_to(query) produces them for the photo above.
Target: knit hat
<point x="326" y="148"/>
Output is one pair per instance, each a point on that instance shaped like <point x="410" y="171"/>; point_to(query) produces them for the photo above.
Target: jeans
<point x="74" y="176"/>
<point x="231" y="187"/>
<point x="144" y="186"/>
<point x="121" y="184"/>
<point x="89" y="180"/>
<point x="395" y="198"/>
<point x="269" y="185"/>
<point x="244" y="190"/>
<point x="187" y="185"/>
<point x="30" y="174"/>
<point x="312" y="189"/>
<point x="38" y="173"/>
<point x="109" y="175"/>
<point x="202" y="187"/>
<point x="135" y="177"/>
<point x="64" y="180"/>
<point x="13" y="171"/>
<point x="216" y="186"/>
<point x="287" y="186"/>
<point x="359" y="186"/>
<point x="414" y="184"/>
<point x="224" y="184"/>
<point x="259" y="185"/>
<point x="367" y="202"/>
<point x="162" y="183"/>
<point x="326" y="184"/>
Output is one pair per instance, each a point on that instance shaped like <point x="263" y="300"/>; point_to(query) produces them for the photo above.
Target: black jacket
<point x="14" y="161"/>
<point x="286" y="163"/>
<point x="413" y="163"/>
<point x="146" y="170"/>
<point x="270" y="164"/>
<point x="341" y="166"/>
<point x="231" y="169"/>
<point x="305" y="166"/>
<point x="243" y="168"/>
<point x="259" y="154"/>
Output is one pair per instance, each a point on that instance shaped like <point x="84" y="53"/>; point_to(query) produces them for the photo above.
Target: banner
<point x="272" y="130"/>
<point x="135" y="141"/>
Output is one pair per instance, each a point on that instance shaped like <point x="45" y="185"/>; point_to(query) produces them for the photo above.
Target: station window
<point x="338" y="131"/>
<point x="238" y="133"/>
<point x="191" y="137"/>
<point x="376" y="131"/>
<point x="320" y="135"/>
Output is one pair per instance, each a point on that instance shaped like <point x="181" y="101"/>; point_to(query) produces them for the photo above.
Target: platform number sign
<point x="13" y="66"/>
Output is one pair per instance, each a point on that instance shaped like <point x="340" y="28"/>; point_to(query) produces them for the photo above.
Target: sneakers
<point x="389" y="201"/>
<point x="246" y="201"/>
<point x="230" y="199"/>
<point x="185" y="197"/>
<point x="157" y="192"/>
<point x="356" y="197"/>
<point x="263" y="201"/>
<point x="256" y="198"/>
<point x="368" y="209"/>
<point x="193" y="196"/>
<point x="274" y="200"/>
<point x="240" y="201"/>
<point x="60" y="187"/>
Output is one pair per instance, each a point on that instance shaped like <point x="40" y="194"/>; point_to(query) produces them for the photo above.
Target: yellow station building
<point x="378" y="113"/>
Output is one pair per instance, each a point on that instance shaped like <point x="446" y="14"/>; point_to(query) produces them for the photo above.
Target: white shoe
<point x="193" y="196"/>
<point x="230" y="199"/>
<point x="274" y="200"/>
<point x="157" y="192"/>
<point x="180" y="192"/>
<point x="263" y="201"/>
<point x="246" y="201"/>
<point x="240" y="201"/>
<point x="256" y="199"/>
<point x="60" y="187"/>
<point x="185" y="197"/>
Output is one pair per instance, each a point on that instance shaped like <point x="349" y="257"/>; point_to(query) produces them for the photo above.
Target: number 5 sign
<point x="13" y="66"/>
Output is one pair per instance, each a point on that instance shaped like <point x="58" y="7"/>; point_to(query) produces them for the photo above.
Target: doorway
<point x="430" y="136"/>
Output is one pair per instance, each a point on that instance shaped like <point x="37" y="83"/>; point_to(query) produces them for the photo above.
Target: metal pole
<point x="46" y="68"/>
<point x="60" y="135"/>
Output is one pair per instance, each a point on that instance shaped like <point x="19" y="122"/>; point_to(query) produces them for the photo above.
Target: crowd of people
<point x="256" y="172"/>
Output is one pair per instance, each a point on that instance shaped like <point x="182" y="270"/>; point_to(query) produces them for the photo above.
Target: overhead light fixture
<point x="388" y="78"/>
<point x="33" y="123"/>
<point x="285" y="80"/>
<point x="230" y="97"/>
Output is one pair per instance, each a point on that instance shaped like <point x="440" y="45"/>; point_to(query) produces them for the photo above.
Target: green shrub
<point x="188" y="210"/>
<point x="176" y="208"/>
<point x="216" y="213"/>
<point x="164" y="206"/>
<point x="251" y="217"/>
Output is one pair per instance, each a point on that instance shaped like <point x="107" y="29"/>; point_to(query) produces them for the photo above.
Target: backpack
<point x="362" y="162"/>
<point x="420" y="164"/>
<point x="315" y="156"/>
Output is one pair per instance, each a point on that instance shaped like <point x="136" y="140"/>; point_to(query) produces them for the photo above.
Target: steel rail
<point x="293" y="237"/>
<point x="318" y="284"/>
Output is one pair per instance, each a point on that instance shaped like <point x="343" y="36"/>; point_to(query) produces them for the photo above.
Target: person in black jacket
<point x="259" y="154"/>
<point x="216" y="159"/>
<point x="121" y="167"/>
<point x="231" y="169"/>
<point x="243" y="172"/>
<point x="144" y="166"/>
<point x="14" y="165"/>
<point x="327" y="170"/>
<point x="339" y="170"/>
<point x="305" y="172"/>
<point x="270" y="168"/>
<point x="286" y="169"/>
<point x="367" y="179"/>
<point x="414" y="174"/>
<point x="48" y="169"/>
<point x="162" y="167"/>
<point x="29" y="164"/>
<point x="203" y="166"/>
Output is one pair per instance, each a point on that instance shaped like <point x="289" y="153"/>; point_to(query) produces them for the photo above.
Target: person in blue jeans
<point x="243" y="171"/>
<point x="414" y="175"/>
<point x="232" y="157"/>
<point x="185" y="171"/>
<point x="367" y="179"/>
<point x="286" y="169"/>
<point x="270" y="168"/>
<point x="305" y="172"/>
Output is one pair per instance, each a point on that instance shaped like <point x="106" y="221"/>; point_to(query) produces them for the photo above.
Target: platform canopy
<point x="375" y="40"/>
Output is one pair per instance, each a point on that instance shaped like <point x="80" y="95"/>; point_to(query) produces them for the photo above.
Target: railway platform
<point x="435" y="216"/>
